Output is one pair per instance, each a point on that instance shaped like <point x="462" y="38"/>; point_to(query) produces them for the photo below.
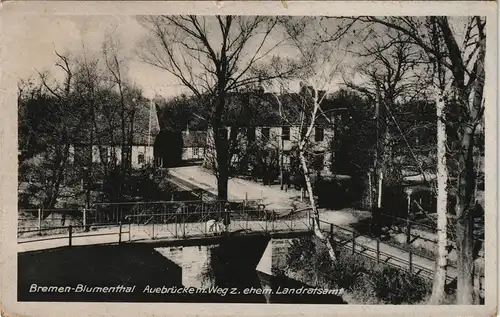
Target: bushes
<point x="364" y="280"/>
<point x="310" y="259"/>
<point x="396" y="286"/>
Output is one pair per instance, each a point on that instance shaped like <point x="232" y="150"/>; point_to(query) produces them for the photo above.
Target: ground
<point x="239" y="189"/>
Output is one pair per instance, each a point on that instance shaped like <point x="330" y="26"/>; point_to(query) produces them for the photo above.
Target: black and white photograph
<point x="224" y="158"/>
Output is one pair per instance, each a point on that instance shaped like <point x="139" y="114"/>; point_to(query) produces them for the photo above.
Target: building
<point x="275" y="128"/>
<point x="142" y="127"/>
<point x="194" y="145"/>
<point x="281" y="141"/>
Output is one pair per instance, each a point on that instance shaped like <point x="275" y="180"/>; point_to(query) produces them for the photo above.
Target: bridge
<point x="175" y="223"/>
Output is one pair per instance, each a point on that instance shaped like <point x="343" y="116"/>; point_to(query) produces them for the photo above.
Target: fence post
<point x="378" y="251"/>
<point x="353" y="241"/>
<point x="408" y="231"/>
<point x="265" y="221"/>
<point x="40" y="220"/>
<point x="129" y="226"/>
<point x="120" y="233"/>
<point x="246" y="218"/>
<point x="70" y="234"/>
<point x="183" y="219"/>
<point x="408" y="224"/>
<point x="331" y="229"/>
<point x="410" y="264"/>
<point x="175" y="222"/>
<point x="153" y="220"/>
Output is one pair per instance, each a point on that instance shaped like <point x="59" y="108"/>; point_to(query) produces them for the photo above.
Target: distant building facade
<point x="107" y="147"/>
<point x="281" y="140"/>
<point x="141" y="155"/>
<point x="194" y="145"/>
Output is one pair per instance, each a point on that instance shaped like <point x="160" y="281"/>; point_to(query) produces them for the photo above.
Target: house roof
<point x="194" y="138"/>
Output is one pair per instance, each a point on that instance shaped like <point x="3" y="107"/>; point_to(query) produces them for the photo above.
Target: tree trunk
<point x="315" y="213"/>
<point x="442" y="202"/>
<point x="464" y="225"/>
<point x="221" y="150"/>
<point x="221" y="141"/>
<point x="131" y="137"/>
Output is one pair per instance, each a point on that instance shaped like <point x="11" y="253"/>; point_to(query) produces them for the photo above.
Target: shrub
<point x="346" y="271"/>
<point x="362" y="291"/>
<point x="395" y="286"/>
<point x="311" y="258"/>
<point x="300" y="250"/>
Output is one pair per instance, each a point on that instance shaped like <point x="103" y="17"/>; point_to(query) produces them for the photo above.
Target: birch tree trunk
<point x="315" y="213"/>
<point x="442" y="201"/>
<point x="305" y="170"/>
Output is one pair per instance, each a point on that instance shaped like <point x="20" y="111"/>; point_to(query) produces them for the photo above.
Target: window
<point x="140" y="158"/>
<point x="265" y="133"/>
<point x="251" y="134"/>
<point x="196" y="151"/>
<point x="319" y="134"/>
<point x="285" y="133"/>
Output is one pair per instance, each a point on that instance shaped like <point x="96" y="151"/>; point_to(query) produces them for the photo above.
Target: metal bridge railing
<point x="188" y="222"/>
<point x="173" y="219"/>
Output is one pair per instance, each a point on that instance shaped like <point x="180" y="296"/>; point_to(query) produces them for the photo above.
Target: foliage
<point x="354" y="144"/>
<point x="142" y="184"/>
<point x="59" y="119"/>
<point x="366" y="281"/>
<point x="396" y="286"/>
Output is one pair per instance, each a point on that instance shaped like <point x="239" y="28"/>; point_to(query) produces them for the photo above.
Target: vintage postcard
<point x="248" y="158"/>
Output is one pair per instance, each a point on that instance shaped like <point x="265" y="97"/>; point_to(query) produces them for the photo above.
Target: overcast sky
<point x="38" y="36"/>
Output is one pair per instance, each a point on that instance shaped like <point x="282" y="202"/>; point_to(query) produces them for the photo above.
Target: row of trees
<point x="400" y="60"/>
<point x="89" y="101"/>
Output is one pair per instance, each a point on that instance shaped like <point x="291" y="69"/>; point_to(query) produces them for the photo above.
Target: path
<point x="238" y="189"/>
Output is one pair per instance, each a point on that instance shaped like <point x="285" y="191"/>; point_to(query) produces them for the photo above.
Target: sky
<point x="38" y="37"/>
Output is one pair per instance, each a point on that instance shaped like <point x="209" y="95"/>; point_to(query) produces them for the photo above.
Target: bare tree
<point x="389" y="77"/>
<point x="114" y="64"/>
<point x="60" y="152"/>
<point x="462" y="55"/>
<point x="320" y="65"/>
<point x="212" y="56"/>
